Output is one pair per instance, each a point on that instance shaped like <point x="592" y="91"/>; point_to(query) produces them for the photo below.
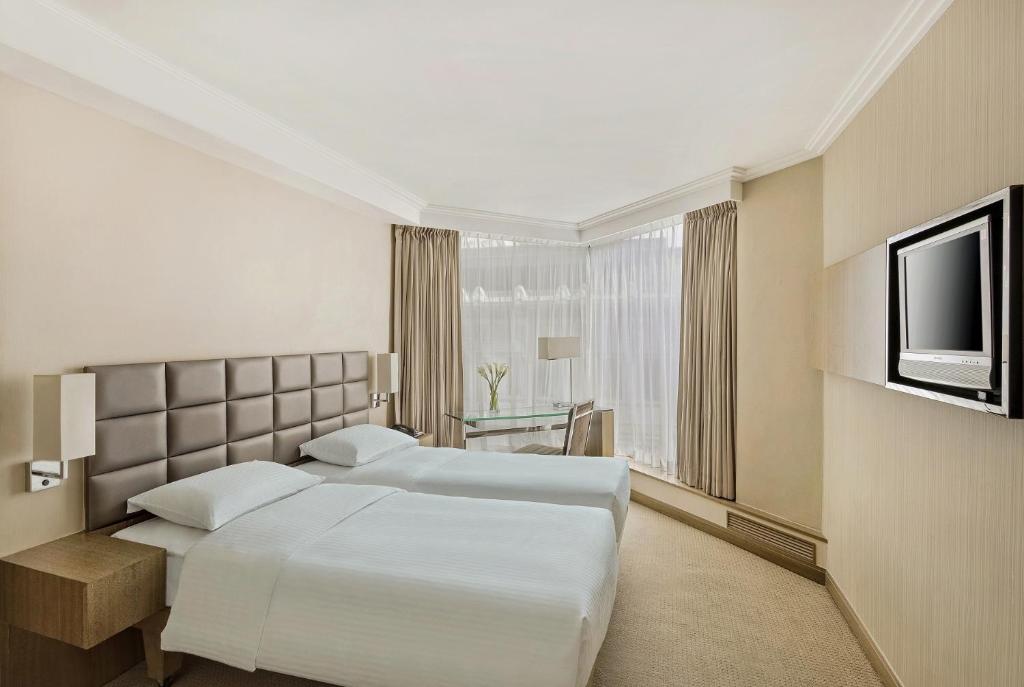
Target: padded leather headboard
<point x="160" y="422"/>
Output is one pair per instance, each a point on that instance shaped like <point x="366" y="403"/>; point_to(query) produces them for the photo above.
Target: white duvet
<point x="569" y="480"/>
<point x="375" y="587"/>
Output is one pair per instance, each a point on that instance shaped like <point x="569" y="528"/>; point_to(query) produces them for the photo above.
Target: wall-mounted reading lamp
<point x="63" y="426"/>
<point x="383" y="378"/>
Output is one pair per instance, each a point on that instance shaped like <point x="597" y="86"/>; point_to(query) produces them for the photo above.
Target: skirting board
<point x="802" y="568"/>
<point x="867" y="643"/>
<point x="812" y="572"/>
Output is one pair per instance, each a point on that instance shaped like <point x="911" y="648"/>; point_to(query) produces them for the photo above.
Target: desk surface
<point x="525" y="413"/>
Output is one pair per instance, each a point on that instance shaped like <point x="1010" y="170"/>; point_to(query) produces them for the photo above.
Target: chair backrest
<point x="578" y="429"/>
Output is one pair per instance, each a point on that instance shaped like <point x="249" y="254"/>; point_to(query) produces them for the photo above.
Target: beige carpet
<point x="691" y="610"/>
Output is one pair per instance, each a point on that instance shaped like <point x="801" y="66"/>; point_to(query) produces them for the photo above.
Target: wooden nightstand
<point x="426" y="439"/>
<point x="65" y="606"/>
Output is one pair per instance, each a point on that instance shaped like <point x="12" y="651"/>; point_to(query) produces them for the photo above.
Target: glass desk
<point x="545" y="418"/>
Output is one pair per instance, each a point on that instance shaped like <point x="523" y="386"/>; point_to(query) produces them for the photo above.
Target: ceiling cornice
<point x="498" y="223"/>
<point x="52" y="34"/>
<point x="487" y="215"/>
<point x="501" y="223"/>
<point x="778" y="163"/>
<point x="43" y="32"/>
<point x="912" y="24"/>
<point x="726" y="175"/>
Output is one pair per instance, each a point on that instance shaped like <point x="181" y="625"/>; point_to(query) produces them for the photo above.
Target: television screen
<point x="943" y="295"/>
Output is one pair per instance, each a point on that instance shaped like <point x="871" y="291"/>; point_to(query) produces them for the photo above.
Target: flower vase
<point x="494" y="398"/>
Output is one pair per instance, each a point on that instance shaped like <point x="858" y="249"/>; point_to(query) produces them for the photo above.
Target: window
<point x="633" y="339"/>
<point x="512" y="292"/>
<point x="621" y="297"/>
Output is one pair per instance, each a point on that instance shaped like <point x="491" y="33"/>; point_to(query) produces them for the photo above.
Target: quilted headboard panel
<point x="160" y="422"/>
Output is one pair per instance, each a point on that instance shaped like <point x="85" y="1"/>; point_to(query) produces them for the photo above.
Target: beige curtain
<point x="427" y="330"/>
<point x="707" y="363"/>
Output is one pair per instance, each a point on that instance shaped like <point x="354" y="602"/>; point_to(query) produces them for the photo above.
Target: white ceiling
<point x="559" y="109"/>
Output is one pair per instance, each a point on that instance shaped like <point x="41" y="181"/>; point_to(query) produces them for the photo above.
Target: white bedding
<point x="176" y="539"/>
<point x="569" y="480"/>
<point x="375" y="587"/>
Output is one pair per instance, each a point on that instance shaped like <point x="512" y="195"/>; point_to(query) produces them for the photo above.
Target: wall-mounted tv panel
<point x="953" y="309"/>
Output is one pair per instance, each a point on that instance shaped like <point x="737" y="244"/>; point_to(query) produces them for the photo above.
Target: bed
<point x="568" y="480"/>
<point x="158" y="422"/>
<point x="350" y="584"/>
<point x="177" y="540"/>
<point x="369" y="586"/>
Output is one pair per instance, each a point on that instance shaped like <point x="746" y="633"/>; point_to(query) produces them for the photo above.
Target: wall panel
<point x="778" y="404"/>
<point x="117" y="245"/>
<point x="924" y="502"/>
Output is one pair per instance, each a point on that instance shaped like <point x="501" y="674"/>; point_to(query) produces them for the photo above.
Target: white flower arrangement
<point x="493" y="373"/>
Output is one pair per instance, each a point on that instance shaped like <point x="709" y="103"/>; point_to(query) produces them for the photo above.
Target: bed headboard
<point x="160" y="422"/>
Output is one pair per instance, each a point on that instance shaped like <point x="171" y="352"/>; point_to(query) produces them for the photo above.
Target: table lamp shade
<point x="557" y="347"/>
<point x="63" y="416"/>
<point x="385" y="379"/>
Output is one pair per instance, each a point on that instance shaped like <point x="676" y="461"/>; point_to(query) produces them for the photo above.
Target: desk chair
<point x="576" y="432"/>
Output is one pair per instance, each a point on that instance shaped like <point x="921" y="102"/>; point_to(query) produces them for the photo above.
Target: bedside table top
<point x="83" y="557"/>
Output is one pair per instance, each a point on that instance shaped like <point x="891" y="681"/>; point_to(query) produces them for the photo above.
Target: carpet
<point x="691" y="611"/>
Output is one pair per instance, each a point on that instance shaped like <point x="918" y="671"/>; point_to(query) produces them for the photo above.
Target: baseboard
<point x="800" y="567"/>
<point x="812" y="572"/>
<point x="867" y="643"/>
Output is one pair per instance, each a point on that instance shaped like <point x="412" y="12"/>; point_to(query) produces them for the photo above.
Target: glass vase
<point x="494" y="399"/>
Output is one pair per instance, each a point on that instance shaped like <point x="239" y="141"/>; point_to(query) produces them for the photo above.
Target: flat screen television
<point x="946" y="308"/>
<point x="954" y="306"/>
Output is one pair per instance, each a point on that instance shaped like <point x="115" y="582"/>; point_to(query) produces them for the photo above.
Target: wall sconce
<point x="63" y="426"/>
<point x="384" y="378"/>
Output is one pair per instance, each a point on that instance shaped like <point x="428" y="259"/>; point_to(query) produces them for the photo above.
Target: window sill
<point x="662" y="476"/>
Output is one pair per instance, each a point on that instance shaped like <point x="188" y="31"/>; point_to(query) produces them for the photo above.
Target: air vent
<point x="769" y="536"/>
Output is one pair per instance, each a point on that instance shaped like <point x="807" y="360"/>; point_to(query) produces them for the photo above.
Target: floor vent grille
<point x="769" y="536"/>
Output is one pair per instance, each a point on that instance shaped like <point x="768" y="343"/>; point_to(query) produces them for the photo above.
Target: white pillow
<point x="356" y="445"/>
<point x="215" y="498"/>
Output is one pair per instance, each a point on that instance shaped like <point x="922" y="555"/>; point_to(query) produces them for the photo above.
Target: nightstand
<point x="65" y="606"/>
<point x="426" y="439"/>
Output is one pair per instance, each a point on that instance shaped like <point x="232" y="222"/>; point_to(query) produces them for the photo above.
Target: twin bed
<point x="424" y="567"/>
<point x="567" y="480"/>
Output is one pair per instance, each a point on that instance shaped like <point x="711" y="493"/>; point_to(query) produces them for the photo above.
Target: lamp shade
<point x="63" y="416"/>
<point x="385" y="378"/>
<point x="557" y="347"/>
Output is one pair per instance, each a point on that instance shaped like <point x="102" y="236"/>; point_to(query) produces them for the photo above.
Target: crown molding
<point x="713" y="188"/>
<point x="779" y="163"/>
<point x="728" y="175"/>
<point x="908" y="29"/>
<point x="499" y="223"/>
<point x="700" y="193"/>
<point x="34" y="32"/>
<point x="910" y="26"/>
<point x="45" y="43"/>
<point x="486" y="215"/>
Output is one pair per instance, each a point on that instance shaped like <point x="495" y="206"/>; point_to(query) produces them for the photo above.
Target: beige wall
<point x="924" y="502"/>
<point x="119" y="246"/>
<point x="779" y="418"/>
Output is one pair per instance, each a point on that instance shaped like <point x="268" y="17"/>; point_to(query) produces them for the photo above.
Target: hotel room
<point x="529" y="344"/>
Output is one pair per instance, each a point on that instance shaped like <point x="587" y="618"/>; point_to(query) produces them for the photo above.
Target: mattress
<point x="563" y="480"/>
<point x="176" y="539"/>
<point x="368" y="586"/>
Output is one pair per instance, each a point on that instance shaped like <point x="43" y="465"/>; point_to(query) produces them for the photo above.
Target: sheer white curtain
<point x="514" y="290"/>
<point x="633" y="339"/>
<point x="622" y="298"/>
